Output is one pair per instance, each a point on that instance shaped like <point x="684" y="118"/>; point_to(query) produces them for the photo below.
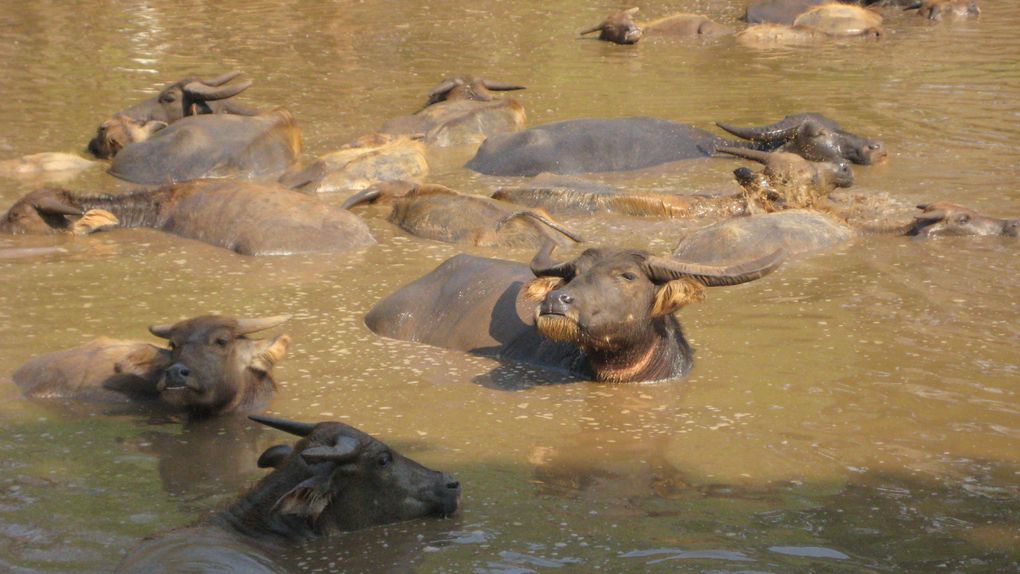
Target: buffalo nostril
<point x="565" y="299"/>
<point x="453" y="485"/>
<point x="180" y="371"/>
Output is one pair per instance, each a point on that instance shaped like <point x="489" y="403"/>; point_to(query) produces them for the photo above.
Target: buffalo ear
<point x="274" y="456"/>
<point x="309" y="498"/>
<point x="539" y="287"/>
<point x="675" y="294"/>
<point x="273" y="353"/>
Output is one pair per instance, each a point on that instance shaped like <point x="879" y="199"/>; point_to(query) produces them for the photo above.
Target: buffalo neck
<point x="664" y="354"/>
<point x="136" y="209"/>
<point x="257" y="515"/>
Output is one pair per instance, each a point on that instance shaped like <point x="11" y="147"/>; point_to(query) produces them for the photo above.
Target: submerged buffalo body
<point x="592" y="145"/>
<point x="186" y="97"/>
<point x="620" y="28"/>
<point x="212" y="367"/>
<point x="246" y="217"/>
<point x="213" y="146"/>
<point x="364" y="162"/>
<point x="607" y="315"/>
<point x="439" y="213"/>
<point x="813" y="137"/>
<point x="336" y="478"/>
<point x="788" y="180"/>
<point x="935" y="10"/>
<point x="779" y="11"/>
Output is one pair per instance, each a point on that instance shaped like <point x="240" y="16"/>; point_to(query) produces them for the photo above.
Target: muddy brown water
<point x="856" y="411"/>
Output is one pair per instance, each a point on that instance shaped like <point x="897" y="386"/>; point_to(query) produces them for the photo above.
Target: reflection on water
<point x="853" y="412"/>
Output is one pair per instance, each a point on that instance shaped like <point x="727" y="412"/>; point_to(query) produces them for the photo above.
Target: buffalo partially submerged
<point x="779" y="11"/>
<point x="620" y="28"/>
<point x="568" y="195"/>
<point x="826" y="21"/>
<point x="246" y="217"/>
<point x="250" y="147"/>
<point x="802" y="231"/>
<point x="336" y="478"/>
<point x="461" y="111"/>
<point x="592" y="145"/>
<point x="362" y="163"/>
<point x="788" y="180"/>
<point x="211" y="367"/>
<point x="437" y="212"/>
<point x="607" y="315"/>
<point x="938" y="9"/>
<point x="186" y="97"/>
<point x="812" y="136"/>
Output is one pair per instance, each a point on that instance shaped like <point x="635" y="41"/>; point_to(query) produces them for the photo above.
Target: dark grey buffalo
<point x="592" y="145"/>
<point x="221" y="145"/>
<point x="245" y="217"/>
<point x="211" y="368"/>
<point x="607" y="315"/>
<point x="336" y="478"/>
<point x="468" y="88"/>
<point x="779" y="11"/>
<point x="812" y="136"/>
<point x="439" y="213"/>
<point x="186" y="97"/>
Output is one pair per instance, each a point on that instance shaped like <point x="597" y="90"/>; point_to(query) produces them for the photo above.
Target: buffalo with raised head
<point x="607" y="315"/>
<point x="245" y="217"/>
<point x="813" y="137"/>
<point x="335" y="478"/>
<point x="620" y="28"/>
<point x="788" y="180"/>
<point x="439" y="213"/>
<point x="461" y="111"/>
<point x="211" y="368"/>
<point x="250" y="147"/>
<point x="185" y="97"/>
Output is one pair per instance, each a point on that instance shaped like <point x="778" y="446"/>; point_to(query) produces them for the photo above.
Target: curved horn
<point x="246" y="326"/>
<point x="50" y="203"/>
<point x="203" y="91"/>
<point x="931" y="215"/>
<point x="746" y="153"/>
<point x="221" y="79"/>
<point x="542" y="265"/>
<point x="540" y="219"/>
<point x="597" y="28"/>
<point x="345" y="450"/>
<point x="274" y="456"/>
<point x="442" y="88"/>
<point x="664" y="269"/>
<point x="292" y="427"/>
<point x="161" y="331"/>
<point x="501" y="86"/>
<point x="767" y="134"/>
<point x="367" y="195"/>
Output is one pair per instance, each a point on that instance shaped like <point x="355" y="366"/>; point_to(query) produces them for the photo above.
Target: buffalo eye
<point x="629" y="275"/>
<point x="384" y="460"/>
<point x="167" y="97"/>
<point x="962" y="219"/>
<point x="221" y="341"/>
<point x="173" y="346"/>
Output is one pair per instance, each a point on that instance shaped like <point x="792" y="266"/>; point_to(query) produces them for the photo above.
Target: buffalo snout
<point x="178" y="376"/>
<point x="558" y="302"/>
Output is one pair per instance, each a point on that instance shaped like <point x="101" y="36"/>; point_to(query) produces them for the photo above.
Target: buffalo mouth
<point x="557" y="326"/>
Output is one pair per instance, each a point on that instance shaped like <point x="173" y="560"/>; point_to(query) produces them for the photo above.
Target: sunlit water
<point x="856" y="411"/>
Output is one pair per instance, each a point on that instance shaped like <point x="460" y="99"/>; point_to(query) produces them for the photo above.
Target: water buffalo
<point x="620" y="28"/>
<point x="468" y="88"/>
<point x="607" y="315"/>
<point x="835" y="19"/>
<point x="336" y="478"/>
<point x="567" y="195"/>
<point x="779" y="11"/>
<point x="938" y="9"/>
<point x="814" y="137"/>
<point x="186" y="97"/>
<point x="802" y="231"/>
<point x="47" y="211"/>
<point x="362" y="163"/>
<point x="439" y="213"/>
<point x="461" y="111"/>
<point x="212" y="146"/>
<point x="211" y="367"/>
<point x="788" y="180"/>
<point x="246" y="217"/>
<point x="592" y="145"/>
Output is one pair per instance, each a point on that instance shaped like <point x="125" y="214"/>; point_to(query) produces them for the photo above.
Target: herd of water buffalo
<point x="225" y="173"/>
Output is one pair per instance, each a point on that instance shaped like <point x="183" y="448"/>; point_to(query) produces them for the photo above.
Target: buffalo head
<point x="119" y="131"/>
<point x="618" y="27"/>
<point x="617" y="305"/>
<point x="468" y="88"/>
<point x="813" y="138"/>
<point x="937" y="9"/>
<point x="215" y="367"/>
<point x="938" y="219"/>
<point x="187" y="97"/>
<point x="339" y="478"/>
<point x="49" y="210"/>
